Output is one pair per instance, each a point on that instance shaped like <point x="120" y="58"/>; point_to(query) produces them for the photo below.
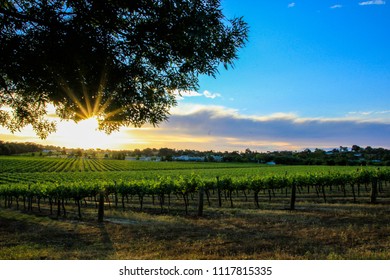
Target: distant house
<point x="217" y="158"/>
<point x="49" y="151"/>
<point x="131" y="158"/>
<point x="188" y="158"/>
<point x="143" y="158"/>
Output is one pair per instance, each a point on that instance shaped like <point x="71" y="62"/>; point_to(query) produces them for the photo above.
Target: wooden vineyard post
<point x="323" y="192"/>
<point x="116" y="195"/>
<point x="219" y="193"/>
<point x="29" y="200"/>
<point x="101" y="207"/>
<point x="353" y="192"/>
<point x="200" y="202"/>
<point x="374" y="190"/>
<point x="256" y="196"/>
<point x="293" y="196"/>
<point x="78" y="208"/>
<point x="58" y="207"/>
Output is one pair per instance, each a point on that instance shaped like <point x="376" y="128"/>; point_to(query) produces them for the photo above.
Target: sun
<point x="85" y="135"/>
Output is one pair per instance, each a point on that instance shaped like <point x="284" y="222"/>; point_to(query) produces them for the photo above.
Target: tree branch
<point x="23" y="17"/>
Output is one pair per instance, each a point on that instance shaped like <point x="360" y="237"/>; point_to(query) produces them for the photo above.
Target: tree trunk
<point x="231" y="199"/>
<point x="51" y="205"/>
<point x="323" y="192"/>
<point x="208" y="197"/>
<point x="123" y="202"/>
<point x="219" y="197"/>
<point x="200" y="202"/>
<point x="58" y="207"/>
<point x="116" y="200"/>
<point x="185" y="203"/>
<point x="353" y="193"/>
<point x="256" y="196"/>
<point x="79" y="208"/>
<point x="63" y="207"/>
<point x="374" y="190"/>
<point x="219" y="193"/>
<point x="293" y="197"/>
<point x="141" y="202"/>
<point x="101" y="207"/>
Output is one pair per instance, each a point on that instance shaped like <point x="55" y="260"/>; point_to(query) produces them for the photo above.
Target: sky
<point x="313" y="74"/>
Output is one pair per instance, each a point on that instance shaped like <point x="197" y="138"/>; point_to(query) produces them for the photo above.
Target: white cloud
<point x="233" y="130"/>
<point x="185" y="93"/>
<point x="378" y="116"/>
<point x="208" y="94"/>
<point x="337" y="6"/>
<point x="180" y="95"/>
<point x="291" y="5"/>
<point x="374" y="2"/>
<point x="192" y="108"/>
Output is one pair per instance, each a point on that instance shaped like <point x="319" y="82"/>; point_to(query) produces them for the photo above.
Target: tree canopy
<point x="120" y="61"/>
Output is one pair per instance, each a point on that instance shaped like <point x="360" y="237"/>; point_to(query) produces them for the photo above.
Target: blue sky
<point x="313" y="74"/>
<point x="318" y="61"/>
<point x="309" y="59"/>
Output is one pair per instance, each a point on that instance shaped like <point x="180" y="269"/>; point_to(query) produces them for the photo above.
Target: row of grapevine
<point x="185" y="188"/>
<point x="24" y="164"/>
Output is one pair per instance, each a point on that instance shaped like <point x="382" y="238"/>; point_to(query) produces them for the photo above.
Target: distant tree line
<point x="7" y="148"/>
<point x="343" y="156"/>
<point x="354" y="155"/>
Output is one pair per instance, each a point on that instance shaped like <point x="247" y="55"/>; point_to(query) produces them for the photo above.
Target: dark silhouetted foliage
<point x="123" y="62"/>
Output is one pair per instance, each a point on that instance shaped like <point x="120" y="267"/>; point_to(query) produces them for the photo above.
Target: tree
<point x="79" y="153"/>
<point x="356" y="148"/>
<point x="123" y="62"/>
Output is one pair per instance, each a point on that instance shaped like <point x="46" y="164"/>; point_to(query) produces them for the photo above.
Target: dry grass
<point x="313" y="231"/>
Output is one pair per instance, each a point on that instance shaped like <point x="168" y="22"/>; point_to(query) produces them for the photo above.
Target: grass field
<point x="337" y="229"/>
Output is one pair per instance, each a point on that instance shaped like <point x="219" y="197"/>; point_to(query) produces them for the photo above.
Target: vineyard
<point x="81" y="186"/>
